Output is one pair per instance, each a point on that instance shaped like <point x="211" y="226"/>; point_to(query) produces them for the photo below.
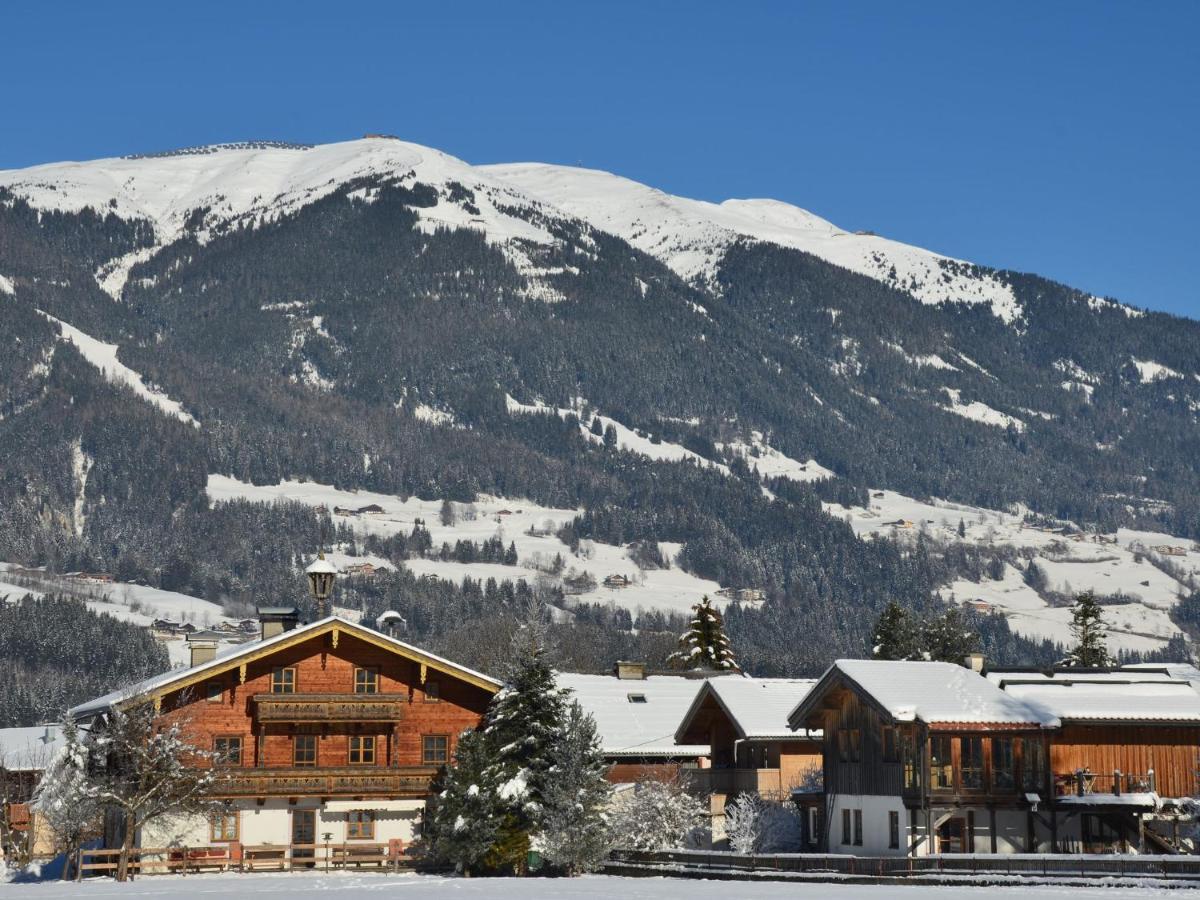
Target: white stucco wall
<point x="875" y="832"/>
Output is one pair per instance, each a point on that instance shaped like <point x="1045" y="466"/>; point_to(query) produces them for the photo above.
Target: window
<point x="434" y="749"/>
<point x="941" y="770"/>
<point x="971" y="752"/>
<point x="893" y="830"/>
<point x="814" y="826"/>
<point x="912" y="763"/>
<point x="1033" y="764"/>
<point x="636" y="698"/>
<point x="214" y="692"/>
<point x="1003" y="765"/>
<point x="366" y="681"/>
<point x="227" y="751"/>
<point x="304" y="750"/>
<point x="433" y="693"/>
<point x="847" y="837"/>
<point x="362" y="750"/>
<point x="283" y="681"/>
<point x="858" y="828"/>
<point x="223" y="827"/>
<point x="360" y="825"/>
<point x="891" y="752"/>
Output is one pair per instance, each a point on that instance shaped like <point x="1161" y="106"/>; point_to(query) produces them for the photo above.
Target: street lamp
<point x="320" y="581"/>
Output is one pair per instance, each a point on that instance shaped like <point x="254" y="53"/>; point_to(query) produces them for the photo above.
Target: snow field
<point x="510" y="519"/>
<point x="1071" y="566"/>
<point x="311" y="886"/>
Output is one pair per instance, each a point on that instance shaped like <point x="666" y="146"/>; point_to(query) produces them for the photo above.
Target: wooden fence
<point x="235" y="857"/>
<point x="1028" y="864"/>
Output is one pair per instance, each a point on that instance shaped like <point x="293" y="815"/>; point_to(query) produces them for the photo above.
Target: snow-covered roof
<point x="930" y="692"/>
<point x="1127" y="695"/>
<point x="224" y="658"/>
<point x="757" y="707"/>
<point x="637" y="717"/>
<point x="29" y="749"/>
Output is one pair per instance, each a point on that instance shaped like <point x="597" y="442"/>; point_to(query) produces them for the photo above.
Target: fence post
<point x="79" y="864"/>
<point x="1153" y="787"/>
<point x="1117" y="782"/>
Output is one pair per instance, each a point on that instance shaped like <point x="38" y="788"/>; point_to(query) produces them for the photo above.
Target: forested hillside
<point x="374" y="329"/>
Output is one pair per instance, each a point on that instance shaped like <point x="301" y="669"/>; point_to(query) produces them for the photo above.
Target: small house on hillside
<point x="617" y="581"/>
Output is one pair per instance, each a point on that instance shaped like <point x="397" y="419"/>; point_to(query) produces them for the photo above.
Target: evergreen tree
<point x="895" y="636"/>
<point x="948" y="638"/>
<point x="463" y="819"/>
<point x="1088" y="628"/>
<point x="610" y="436"/>
<point x="962" y="528"/>
<point x="704" y="645"/>
<point x="575" y="832"/>
<point x="522" y="724"/>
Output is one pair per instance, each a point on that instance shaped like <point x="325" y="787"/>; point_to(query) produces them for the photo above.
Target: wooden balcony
<point x="318" y="708"/>
<point x="767" y="782"/>
<point x="405" y="781"/>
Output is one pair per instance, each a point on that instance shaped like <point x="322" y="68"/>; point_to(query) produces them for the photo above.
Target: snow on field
<point x="771" y="463"/>
<point x="691" y="236"/>
<point x="531" y="527"/>
<point x="7" y="286"/>
<point x="1071" y="565"/>
<point x="1150" y="371"/>
<point x="312" y="886"/>
<point x="980" y="412"/>
<point x="104" y="357"/>
<point x="627" y="438"/>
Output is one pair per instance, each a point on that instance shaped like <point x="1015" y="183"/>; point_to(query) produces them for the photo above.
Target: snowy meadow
<point x="417" y="887"/>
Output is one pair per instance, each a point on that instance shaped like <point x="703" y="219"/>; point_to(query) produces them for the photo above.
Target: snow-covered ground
<point x="104" y="357"/>
<point x="136" y="603"/>
<point x="1120" y="564"/>
<point x="310" y="886"/>
<point x="531" y="527"/>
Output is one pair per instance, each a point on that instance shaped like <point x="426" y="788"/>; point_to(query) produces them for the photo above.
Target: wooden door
<point x="304" y="833"/>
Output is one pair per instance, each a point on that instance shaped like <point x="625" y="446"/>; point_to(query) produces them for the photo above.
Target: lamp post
<point x="320" y="581"/>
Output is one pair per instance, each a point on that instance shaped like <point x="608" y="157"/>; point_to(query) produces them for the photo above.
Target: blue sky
<point x="1060" y="138"/>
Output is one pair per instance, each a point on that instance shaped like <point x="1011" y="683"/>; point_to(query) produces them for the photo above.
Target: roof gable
<point x="244" y="654"/>
<point x="757" y="708"/>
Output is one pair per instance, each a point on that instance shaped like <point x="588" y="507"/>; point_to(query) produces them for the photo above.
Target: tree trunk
<point x="126" y="848"/>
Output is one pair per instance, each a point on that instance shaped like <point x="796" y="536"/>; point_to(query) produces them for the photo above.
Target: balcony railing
<point x="738" y="781"/>
<point x="408" y="781"/>
<point x="329" y="707"/>
<point x="1083" y="783"/>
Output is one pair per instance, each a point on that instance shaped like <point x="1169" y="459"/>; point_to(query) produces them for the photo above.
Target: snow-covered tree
<point x="463" y="820"/>
<point x="948" y="638"/>
<point x="655" y="815"/>
<point x="1088" y="629"/>
<point x="704" y="645"/>
<point x="65" y="799"/>
<point x="523" y="722"/>
<point x="148" y="771"/>
<point x="575" y="832"/>
<point x="755" y="824"/>
<point x="895" y="637"/>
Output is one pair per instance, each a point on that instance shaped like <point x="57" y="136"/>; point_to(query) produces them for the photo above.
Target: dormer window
<point x="636" y="698"/>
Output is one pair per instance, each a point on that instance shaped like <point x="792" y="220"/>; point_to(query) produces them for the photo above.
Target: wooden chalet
<point x="926" y="757"/>
<point x="751" y="748"/>
<point x="25" y="754"/>
<point x="330" y="728"/>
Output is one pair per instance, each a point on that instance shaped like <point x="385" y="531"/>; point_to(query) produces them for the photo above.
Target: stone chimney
<point x="203" y="650"/>
<point x="630" y="671"/>
<point x="275" y="620"/>
<point x="974" y="662"/>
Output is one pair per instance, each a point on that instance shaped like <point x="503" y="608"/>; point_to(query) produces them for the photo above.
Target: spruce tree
<point x="704" y="645"/>
<point x="464" y="818"/>
<point x="895" y="636"/>
<point x="1088" y="628"/>
<point x="522" y="724"/>
<point x="948" y="638"/>
<point x="575" y="833"/>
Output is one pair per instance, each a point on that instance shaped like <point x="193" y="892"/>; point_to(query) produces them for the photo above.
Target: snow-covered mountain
<point x="227" y="185"/>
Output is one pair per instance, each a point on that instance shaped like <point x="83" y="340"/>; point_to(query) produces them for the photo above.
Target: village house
<point x="1125" y="755"/>
<point x="927" y="757"/>
<point x="751" y="748"/>
<point x="25" y="753"/>
<point x="636" y="716"/>
<point x="362" y="569"/>
<point x="330" y="728"/>
<point x="617" y="581"/>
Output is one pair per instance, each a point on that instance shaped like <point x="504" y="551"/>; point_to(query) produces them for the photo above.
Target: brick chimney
<point x="275" y="620"/>
<point x="627" y="670"/>
<point x="203" y="650"/>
